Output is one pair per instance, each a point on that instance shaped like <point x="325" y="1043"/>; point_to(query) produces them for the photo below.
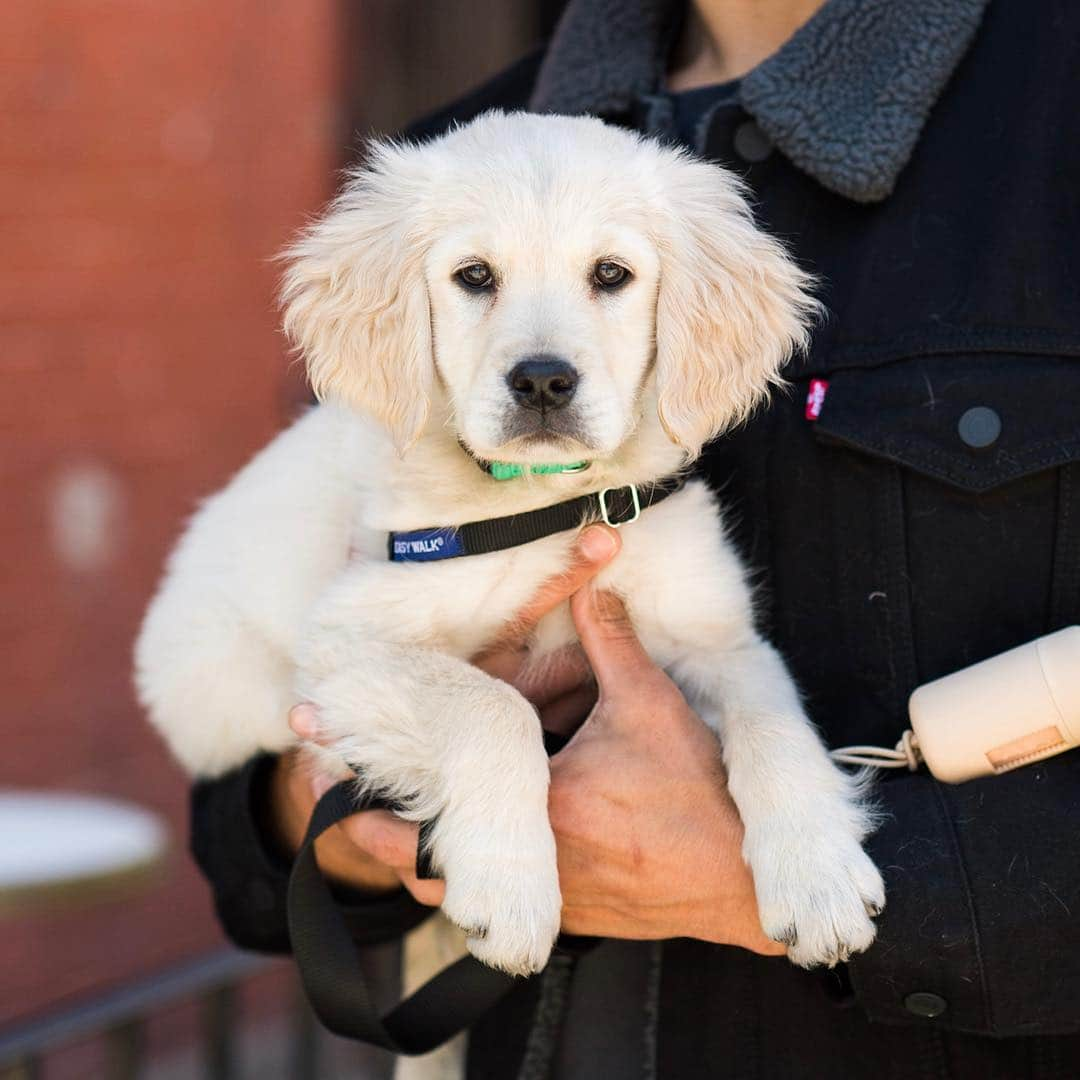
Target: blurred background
<point x="154" y="156"/>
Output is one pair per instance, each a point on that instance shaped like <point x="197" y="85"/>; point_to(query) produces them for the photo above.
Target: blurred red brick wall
<point x="153" y="157"/>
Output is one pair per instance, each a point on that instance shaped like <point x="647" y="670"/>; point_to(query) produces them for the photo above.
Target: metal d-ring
<point x="605" y="514"/>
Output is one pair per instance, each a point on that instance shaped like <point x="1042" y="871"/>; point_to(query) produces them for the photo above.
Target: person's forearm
<point x="247" y="879"/>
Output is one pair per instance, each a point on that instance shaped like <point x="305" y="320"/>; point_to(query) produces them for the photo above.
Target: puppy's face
<point x="543" y="322"/>
<point x="554" y="281"/>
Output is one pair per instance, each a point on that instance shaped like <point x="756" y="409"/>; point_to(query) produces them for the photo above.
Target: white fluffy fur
<point x="281" y="590"/>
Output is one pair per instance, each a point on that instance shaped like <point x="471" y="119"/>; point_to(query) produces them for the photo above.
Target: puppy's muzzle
<point x="542" y="383"/>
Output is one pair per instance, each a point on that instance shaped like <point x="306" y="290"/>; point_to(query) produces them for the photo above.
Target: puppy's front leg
<point x="463" y="750"/>
<point x="805" y="819"/>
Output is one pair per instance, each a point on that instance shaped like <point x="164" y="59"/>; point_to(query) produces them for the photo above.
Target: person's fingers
<point x="600" y="921"/>
<point x="430" y="892"/>
<point x="385" y="837"/>
<point x="320" y="784"/>
<point x="379" y="834"/>
<point x="595" y="548"/>
<point x="391" y="841"/>
<point x="304" y="720"/>
<point x="609" y="640"/>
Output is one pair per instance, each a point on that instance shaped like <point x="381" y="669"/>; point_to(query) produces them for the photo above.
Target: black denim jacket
<point x="891" y="550"/>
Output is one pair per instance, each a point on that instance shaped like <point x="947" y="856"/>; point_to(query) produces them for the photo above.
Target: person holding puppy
<point x="913" y="505"/>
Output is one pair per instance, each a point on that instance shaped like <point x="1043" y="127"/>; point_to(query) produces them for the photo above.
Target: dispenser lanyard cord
<point x="905" y="755"/>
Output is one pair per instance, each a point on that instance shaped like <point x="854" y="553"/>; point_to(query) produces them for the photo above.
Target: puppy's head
<point x="544" y="278"/>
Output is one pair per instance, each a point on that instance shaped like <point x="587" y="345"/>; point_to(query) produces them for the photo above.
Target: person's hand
<point x="562" y="688"/>
<point x="375" y="851"/>
<point x="648" y="837"/>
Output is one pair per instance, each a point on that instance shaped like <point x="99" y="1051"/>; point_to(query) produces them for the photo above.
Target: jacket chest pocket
<point x="953" y="486"/>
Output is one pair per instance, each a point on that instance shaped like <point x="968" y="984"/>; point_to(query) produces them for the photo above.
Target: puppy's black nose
<point x="542" y="382"/>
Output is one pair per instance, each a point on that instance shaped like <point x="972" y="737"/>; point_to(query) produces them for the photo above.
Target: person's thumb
<point x="608" y="638"/>
<point x="595" y="548"/>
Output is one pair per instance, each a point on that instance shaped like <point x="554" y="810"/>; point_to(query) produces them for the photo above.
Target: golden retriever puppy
<point x="545" y="293"/>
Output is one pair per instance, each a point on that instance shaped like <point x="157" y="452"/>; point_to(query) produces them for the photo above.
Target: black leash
<point x="615" y="506"/>
<point x="329" y="962"/>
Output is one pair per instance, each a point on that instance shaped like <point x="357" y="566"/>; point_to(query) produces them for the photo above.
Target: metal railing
<point x="120" y="1018"/>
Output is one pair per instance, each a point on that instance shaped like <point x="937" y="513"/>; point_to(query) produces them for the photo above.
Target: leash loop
<point x="329" y="963"/>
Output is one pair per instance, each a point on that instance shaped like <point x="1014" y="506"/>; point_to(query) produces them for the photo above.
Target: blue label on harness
<point x="425" y="545"/>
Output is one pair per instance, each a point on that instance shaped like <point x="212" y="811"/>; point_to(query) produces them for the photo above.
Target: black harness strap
<point x="616" y="506"/>
<point x="330" y="969"/>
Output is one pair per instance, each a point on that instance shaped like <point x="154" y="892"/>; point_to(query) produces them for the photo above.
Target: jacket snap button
<point x="751" y="143"/>
<point x="925" y="1004"/>
<point x="979" y="427"/>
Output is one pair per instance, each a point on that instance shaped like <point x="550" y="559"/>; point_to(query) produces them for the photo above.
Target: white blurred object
<point x="84" y="512"/>
<point x="60" y="846"/>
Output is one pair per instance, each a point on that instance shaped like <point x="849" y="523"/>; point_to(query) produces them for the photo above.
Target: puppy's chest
<point x="463" y="605"/>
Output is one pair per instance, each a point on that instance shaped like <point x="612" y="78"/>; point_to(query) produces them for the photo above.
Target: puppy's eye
<point x="476" y="276"/>
<point x="610" y="275"/>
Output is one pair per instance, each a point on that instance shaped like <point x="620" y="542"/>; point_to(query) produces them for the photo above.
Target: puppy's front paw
<point x="507" y="901"/>
<point x="816" y="894"/>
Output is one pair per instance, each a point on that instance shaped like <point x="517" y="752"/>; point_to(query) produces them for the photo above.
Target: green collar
<point x="504" y="470"/>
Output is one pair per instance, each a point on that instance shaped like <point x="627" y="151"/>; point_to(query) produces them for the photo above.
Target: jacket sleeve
<point x="981" y="930"/>
<point x="248" y="875"/>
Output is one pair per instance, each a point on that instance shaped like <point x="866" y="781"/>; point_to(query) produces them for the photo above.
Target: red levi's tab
<point x="815" y="399"/>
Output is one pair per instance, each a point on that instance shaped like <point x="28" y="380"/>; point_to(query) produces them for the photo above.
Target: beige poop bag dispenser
<point x="1011" y="710"/>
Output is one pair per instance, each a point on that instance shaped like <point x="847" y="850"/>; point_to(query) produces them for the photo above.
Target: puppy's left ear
<point x="732" y="307"/>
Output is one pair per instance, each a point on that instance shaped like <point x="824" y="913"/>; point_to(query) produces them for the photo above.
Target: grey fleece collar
<point x="845" y="98"/>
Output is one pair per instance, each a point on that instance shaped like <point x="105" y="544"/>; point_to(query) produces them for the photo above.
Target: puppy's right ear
<point x="355" y="299"/>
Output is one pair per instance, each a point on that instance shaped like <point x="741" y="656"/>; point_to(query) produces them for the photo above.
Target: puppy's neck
<point x="437" y="482"/>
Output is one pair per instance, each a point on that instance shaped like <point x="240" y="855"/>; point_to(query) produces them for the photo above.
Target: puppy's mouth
<point x="545" y="440"/>
<point x="559" y="432"/>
